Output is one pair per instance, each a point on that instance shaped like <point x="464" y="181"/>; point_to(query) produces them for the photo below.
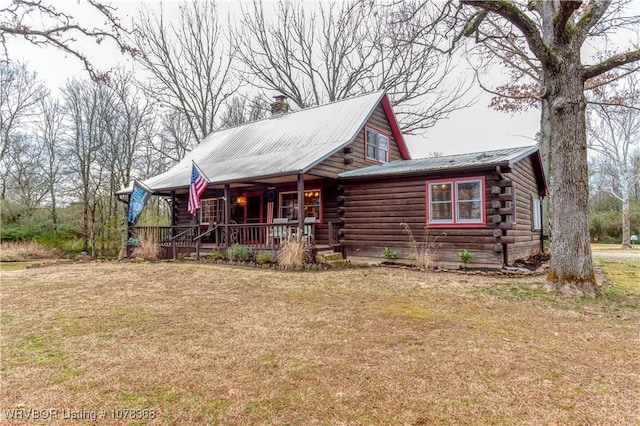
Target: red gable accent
<point x="395" y="129"/>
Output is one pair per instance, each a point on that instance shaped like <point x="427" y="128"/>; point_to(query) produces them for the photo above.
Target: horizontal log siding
<point x="183" y="217"/>
<point x="374" y="211"/>
<point x="329" y="214"/>
<point x="335" y="164"/>
<point x="526" y="240"/>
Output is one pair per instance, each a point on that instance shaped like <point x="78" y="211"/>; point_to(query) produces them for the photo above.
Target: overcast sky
<point x="476" y="128"/>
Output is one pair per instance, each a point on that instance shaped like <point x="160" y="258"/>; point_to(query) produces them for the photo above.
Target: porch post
<point x="173" y="224"/>
<point x="196" y="231"/>
<point x="124" y="231"/>
<point x="227" y="213"/>
<point x="301" y="202"/>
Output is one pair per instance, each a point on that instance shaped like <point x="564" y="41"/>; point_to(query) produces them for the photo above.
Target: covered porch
<point x="257" y="236"/>
<point x="260" y="215"/>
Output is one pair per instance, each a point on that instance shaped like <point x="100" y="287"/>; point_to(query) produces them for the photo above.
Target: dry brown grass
<point x="422" y="253"/>
<point x="292" y="252"/>
<point x="206" y="344"/>
<point x="20" y="251"/>
<point x="147" y="248"/>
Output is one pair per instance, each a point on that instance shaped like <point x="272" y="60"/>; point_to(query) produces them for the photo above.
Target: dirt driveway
<point x="617" y="254"/>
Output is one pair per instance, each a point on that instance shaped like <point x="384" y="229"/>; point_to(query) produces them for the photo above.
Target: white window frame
<point x="457" y="201"/>
<point x="431" y="202"/>
<point x="536" y="214"/>
<point x="380" y="155"/>
<point x="455" y="220"/>
<point x="203" y="209"/>
<point x="282" y="209"/>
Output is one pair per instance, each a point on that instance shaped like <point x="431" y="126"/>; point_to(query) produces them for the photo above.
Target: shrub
<point x="265" y="257"/>
<point x="239" y="253"/>
<point x="422" y="253"/>
<point x="147" y="248"/>
<point x="387" y="253"/>
<point x="465" y="257"/>
<point x="216" y="255"/>
<point x="295" y="251"/>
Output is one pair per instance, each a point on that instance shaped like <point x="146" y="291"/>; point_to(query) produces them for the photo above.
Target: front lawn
<point x="203" y="344"/>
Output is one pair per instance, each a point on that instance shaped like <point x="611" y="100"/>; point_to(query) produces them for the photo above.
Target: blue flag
<point x="139" y="197"/>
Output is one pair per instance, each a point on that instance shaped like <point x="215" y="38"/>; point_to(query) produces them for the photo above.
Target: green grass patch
<point x="519" y="292"/>
<point x="15" y="266"/>
<point x="37" y="349"/>
<point x="625" y="274"/>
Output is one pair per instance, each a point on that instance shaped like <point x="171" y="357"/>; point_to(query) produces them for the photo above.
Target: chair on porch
<point x="278" y="231"/>
<point x="233" y="233"/>
<point x="309" y="223"/>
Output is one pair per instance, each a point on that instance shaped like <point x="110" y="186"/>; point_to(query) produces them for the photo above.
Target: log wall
<point x="374" y="211"/>
<point x="527" y="241"/>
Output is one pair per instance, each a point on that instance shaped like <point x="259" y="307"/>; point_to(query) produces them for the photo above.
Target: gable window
<point x="458" y="202"/>
<point x="288" y="205"/>
<point x="377" y="146"/>
<point x="212" y="210"/>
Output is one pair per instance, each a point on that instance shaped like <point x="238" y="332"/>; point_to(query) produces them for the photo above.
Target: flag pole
<point x="200" y="170"/>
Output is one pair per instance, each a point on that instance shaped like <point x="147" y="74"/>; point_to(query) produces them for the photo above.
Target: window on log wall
<point x="456" y="202"/>
<point x="377" y="146"/>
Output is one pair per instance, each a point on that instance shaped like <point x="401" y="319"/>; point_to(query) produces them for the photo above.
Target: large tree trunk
<point x="626" y="222"/>
<point x="571" y="269"/>
<point x="544" y="142"/>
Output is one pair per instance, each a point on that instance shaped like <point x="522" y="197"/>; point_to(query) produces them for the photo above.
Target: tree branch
<point x="511" y="13"/>
<point x="592" y="16"/>
<point x="611" y="63"/>
<point x="566" y="9"/>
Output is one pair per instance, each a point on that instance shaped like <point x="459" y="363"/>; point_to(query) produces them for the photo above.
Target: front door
<point x="253" y="214"/>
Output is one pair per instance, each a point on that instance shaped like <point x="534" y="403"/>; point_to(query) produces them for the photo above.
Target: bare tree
<point x="23" y="180"/>
<point x="188" y="61"/>
<point x="175" y="138"/>
<point x="88" y="104"/>
<point x="332" y="51"/>
<point x="20" y="92"/>
<point x="240" y="110"/>
<point x="555" y="32"/>
<point x="130" y="125"/>
<point x="45" y="24"/>
<point x="51" y="134"/>
<point x="614" y="135"/>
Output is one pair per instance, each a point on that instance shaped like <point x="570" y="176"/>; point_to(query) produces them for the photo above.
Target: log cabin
<point x="341" y="174"/>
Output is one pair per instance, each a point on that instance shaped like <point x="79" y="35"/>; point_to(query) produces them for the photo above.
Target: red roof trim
<point x="395" y="129"/>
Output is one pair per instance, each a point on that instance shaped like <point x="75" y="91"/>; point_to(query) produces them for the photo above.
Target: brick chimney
<point x="280" y="106"/>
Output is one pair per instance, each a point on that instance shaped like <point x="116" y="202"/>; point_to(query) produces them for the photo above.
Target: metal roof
<point x="449" y="162"/>
<point x="281" y="144"/>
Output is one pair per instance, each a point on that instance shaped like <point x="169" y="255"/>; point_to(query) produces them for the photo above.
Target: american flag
<point x="198" y="184"/>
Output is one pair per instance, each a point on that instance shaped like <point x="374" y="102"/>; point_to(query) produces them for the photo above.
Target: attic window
<point x="377" y="146"/>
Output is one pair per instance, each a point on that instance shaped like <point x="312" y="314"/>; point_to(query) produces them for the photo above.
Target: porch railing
<point x="334" y="237"/>
<point x="255" y="235"/>
<point x="164" y="235"/>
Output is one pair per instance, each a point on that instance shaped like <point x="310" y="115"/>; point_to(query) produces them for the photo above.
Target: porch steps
<point x="334" y="259"/>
